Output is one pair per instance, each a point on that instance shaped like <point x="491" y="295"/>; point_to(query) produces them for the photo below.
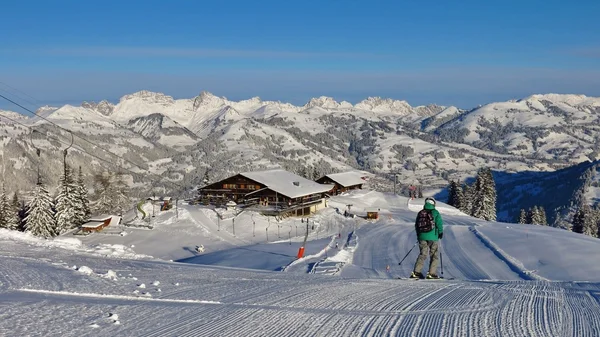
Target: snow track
<point x="199" y="301"/>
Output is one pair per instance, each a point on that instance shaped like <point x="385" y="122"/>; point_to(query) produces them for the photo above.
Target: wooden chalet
<point x="272" y="192"/>
<point x="99" y="223"/>
<point x="344" y="181"/>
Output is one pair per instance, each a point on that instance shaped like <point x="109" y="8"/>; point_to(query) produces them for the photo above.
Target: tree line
<point x="477" y="199"/>
<point x="533" y="216"/>
<point x="587" y="220"/>
<point x="47" y="216"/>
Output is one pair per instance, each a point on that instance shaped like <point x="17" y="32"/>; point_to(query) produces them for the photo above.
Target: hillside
<point x="179" y="141"/>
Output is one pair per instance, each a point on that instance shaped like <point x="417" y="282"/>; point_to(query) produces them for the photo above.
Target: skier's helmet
<point x="430" y="200"/>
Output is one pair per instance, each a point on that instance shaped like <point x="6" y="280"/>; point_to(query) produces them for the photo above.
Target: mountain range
<point x="181" y="141"/>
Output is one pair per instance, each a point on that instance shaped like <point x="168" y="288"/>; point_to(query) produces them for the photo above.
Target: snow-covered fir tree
<point x="4" y="209"/>
<point x="111" y="193"/>
<point x="40" y="218"/>
<point x="460" y="197"/>
<point x="83" y="208"/>
<point x="484" y="195"/>
<point x="535" y="216"/>
<point x="584" y="221"/>
<point x="14" y="221"/>
<point x="543" y="218"/>
<point x="579" y="221"/>
<point x="102" y="193"/>
<point x="476" y="190"/>
<point x="452" y="187"/>
<point x="598" y="221"/>
<point x="523" y="216"/>
<point x="121" y="191"/>
<point x="67" y="201"/>
<point x="467" y="200"/>
<point x="528" y="218"/>
<point x="490" y="195"/>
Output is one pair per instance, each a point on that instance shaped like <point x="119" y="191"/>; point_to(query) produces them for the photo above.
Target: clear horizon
<point x="437" y="53"/>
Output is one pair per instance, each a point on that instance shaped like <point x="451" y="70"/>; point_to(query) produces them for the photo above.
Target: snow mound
<point x="116" y="250"/>
<point x="27" y="237"/>
<point x="85" y="270"/>
<point x="111" y="275"/>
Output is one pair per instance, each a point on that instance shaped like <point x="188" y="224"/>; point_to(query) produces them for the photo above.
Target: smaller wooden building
<point x="98" y="223"/>
<point x="372" y="214"/>
<point x="344" y="181"/>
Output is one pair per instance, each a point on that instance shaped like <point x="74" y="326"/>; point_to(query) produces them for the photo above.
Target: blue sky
<point x="459" y="53"/>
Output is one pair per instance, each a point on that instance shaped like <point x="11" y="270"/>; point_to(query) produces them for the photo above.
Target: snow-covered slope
<point x="517" y="280"/>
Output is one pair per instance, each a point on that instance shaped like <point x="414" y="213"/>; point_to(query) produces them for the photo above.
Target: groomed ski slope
<point x="508" y="282"/>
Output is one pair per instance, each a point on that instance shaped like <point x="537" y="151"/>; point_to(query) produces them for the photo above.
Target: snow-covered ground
<point x="502" y="279"/>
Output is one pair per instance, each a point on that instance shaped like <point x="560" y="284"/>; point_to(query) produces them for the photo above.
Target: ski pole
<point x="441" y="259"/>
<point x="413" y="247"/>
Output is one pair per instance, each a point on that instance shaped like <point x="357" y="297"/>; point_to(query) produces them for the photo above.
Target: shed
<point x="98" y="223"/>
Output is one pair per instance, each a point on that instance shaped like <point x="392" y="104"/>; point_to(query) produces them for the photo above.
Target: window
<point x="229" y="186"/>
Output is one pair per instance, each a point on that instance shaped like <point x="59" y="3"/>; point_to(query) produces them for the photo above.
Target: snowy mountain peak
<point x="322" y="102"/>
<point x="155" y="97"/>
<point x="207" y="100"/>
<point x="570" y="99"/>
<point x="45" y="109"/>
<point x="378" y="104"/>
<point x="104" y="107"/>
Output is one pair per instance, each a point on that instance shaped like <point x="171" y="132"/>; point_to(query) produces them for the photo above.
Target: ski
<point x="424" y="279"/>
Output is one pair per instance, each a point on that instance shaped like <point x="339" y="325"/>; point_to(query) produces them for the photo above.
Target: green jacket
<point x="437" y="218"/>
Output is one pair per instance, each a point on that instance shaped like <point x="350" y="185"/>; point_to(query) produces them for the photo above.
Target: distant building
<point x="273" y="192"/>
<point x="344" y="181"/>
<point x="96" y="224"/>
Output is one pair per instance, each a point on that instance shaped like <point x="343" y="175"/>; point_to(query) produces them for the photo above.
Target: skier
<point x="429" y="227"/>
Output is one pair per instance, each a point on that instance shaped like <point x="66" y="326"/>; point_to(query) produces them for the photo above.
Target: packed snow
<point x="501" y="279"/>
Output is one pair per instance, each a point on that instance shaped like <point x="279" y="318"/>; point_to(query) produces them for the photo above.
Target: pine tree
<point x="579" y="221"/>
<point x="120" y="191"/>
<point x="4" y="209"/>
<point x="111" y="193"/>
<point x="459" y="196"/>
<point x="467" y="203"/>
<point x="83" y="207"/>
<point x="543" y="219"/>
<point x="488" y="193"/>
<point x="40" y="214"/>
<point x="67" y="215"/>
<point x="478" y="197"/>
<point x="535" y="216"/>
<point x="102" y="189"/>
<point x="523" y="216"/>
<point x="14" y="221"/>
<point x="452" y="187"/>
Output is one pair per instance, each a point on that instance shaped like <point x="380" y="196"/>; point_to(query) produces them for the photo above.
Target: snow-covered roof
<point x="346" y="179"/>
<point x="284" y="182"/>
<point x="92" y="224"/>
<point x="114" y="220"/>
<point x="101" y="217"/>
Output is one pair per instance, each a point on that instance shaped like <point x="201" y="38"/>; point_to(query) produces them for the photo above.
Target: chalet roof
<point x="347" y="179"/>
<point x="101" y="217"/>
<point x="283" y="182"/>
<point x="92" y="224"/>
